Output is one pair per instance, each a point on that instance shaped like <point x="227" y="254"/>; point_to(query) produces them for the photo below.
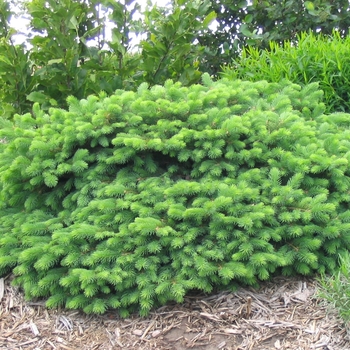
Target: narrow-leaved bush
<point x="311" y="58"/>
<point x="334" y="290"/>
<point x="133" y="200"/>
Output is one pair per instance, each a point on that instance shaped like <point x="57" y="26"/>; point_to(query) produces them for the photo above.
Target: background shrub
<point x="312" y="58"/>
<point x="240" y="24"/>
<point x="132" y="200"/>
<point x="95" y="49"/>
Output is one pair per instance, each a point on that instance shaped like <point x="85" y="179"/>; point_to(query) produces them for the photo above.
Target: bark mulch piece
<point x="283" y="314"/>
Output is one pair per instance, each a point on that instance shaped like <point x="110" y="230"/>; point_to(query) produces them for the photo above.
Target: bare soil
<point x="283" y="314"/>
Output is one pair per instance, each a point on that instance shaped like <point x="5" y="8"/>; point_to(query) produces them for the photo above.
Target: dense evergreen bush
<point x="132" y="200"/>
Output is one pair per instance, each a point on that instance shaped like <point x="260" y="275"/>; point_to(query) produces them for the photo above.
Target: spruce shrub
<point x="133" y="200"/>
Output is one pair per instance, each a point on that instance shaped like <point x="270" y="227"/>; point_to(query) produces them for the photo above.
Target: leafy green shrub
<point x="132" y="200"/>
<point x="312" y="58"/>
<point x="93" y="49"/>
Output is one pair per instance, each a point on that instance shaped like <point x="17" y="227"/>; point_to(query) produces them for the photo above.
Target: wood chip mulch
<point x="283" y="314"/>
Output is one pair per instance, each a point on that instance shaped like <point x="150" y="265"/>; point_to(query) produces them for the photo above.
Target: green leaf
<point x="209" y="18"/>
<point x="309" y="6"/>
<point x="73" y="23"/>
<point x="248" y="18"/>
<point x="53" y="102"/>
<point x="244" y="29"/>
<point x="37" y="96"/>
<point x="5" y="60"/>
<point x="57" y="60"/>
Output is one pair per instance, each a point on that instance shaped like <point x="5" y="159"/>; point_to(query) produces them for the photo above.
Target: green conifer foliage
<point x="132" y="200"/>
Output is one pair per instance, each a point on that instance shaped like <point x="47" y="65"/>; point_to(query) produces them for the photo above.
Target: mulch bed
<point x="283" y="314"/>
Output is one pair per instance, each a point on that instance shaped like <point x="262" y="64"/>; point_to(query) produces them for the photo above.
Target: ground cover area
<point x="283" y="314"/>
